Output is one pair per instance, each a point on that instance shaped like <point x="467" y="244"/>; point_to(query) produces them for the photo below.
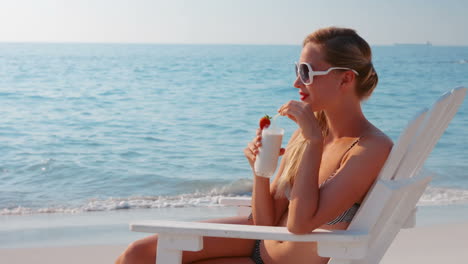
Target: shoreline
<point x="92" y="228"/>
<point x="111" y="227"/>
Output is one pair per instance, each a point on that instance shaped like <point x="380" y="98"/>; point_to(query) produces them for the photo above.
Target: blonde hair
<point x="342" y="47"/>
<point x="293" y="159"/>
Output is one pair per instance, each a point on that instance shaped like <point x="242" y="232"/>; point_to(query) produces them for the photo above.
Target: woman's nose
<point x="298" y="83"/>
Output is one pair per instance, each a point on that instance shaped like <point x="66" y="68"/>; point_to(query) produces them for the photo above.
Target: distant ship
<point x="427" y="44"/>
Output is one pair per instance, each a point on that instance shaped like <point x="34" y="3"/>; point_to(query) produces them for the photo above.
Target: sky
<point x="441" y="22"/>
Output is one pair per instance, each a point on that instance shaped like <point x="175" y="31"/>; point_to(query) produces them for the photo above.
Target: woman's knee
<point x="140" y="251"/>
<point x="144" y="250"/>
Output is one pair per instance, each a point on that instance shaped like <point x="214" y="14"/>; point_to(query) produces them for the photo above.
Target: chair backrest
<point x="396" y="191"/>
<point x="401" y="205"/>
<point x="374" y="202"/>
<point x="429" y="133"/>
<point x="401" y="147"/>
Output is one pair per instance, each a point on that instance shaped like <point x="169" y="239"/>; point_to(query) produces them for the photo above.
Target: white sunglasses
<point x="306" y="73"/>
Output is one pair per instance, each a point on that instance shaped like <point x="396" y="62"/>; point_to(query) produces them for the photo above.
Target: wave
<point x="444" y="196"/>
<point x="434" y="196"/>
<point x="111" y="204"/>
<point x="209" y="198"/>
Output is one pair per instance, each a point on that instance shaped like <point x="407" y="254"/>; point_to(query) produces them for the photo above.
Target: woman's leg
<point x="144" y="251"/>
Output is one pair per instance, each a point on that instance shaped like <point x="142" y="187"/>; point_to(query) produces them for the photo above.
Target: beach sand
<point x="434" y="244"/>
<point x="54" y="255"/>
<point x="440" y="236"/>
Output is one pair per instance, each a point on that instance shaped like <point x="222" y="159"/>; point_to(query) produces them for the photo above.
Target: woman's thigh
<point x="238" y="260"/>
<point x="213" y="247"/>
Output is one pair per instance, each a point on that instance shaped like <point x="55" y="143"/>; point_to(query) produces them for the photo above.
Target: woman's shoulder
<point x="375" y="138"/>
<point x="370" y="152"/>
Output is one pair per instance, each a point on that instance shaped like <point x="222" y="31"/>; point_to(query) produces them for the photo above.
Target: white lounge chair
<point x="388" y="206"/>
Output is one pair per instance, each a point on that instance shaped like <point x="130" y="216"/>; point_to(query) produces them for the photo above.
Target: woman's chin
<point x="306" y="100"/>
<point x="313" y="106"/>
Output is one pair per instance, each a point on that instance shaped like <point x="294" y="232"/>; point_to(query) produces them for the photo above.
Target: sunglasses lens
<point x="304" y="73"/>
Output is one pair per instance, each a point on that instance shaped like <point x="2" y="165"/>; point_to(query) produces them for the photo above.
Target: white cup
<point x="267" y="157"/>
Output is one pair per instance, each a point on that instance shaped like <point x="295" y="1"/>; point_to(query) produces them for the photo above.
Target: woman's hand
<point x="251" y="150"/>
<point x="302" y="114"/>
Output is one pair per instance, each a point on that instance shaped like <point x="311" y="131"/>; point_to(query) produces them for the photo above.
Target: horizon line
<point x="220" y="43"/>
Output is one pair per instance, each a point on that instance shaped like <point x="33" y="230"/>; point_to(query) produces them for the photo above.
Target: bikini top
<point x="347" y="215"/>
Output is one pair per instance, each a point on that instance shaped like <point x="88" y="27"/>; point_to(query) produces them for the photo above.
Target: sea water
<point x="109" y="127"/>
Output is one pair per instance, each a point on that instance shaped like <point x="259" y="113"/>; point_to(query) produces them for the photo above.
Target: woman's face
<point x="324" y="89"/>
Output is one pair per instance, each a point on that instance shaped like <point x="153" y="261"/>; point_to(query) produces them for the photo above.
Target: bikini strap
<point x="334" y="173"/>
<point x="352" y="145"/>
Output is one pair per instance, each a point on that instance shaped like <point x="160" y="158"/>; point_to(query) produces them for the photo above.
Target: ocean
<point x="107" y="128"/>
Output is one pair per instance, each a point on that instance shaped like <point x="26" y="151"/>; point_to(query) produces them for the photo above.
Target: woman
<point x="329" y="164"/>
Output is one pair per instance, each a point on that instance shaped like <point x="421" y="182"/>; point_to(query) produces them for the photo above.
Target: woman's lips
<point x="303" y="96"/>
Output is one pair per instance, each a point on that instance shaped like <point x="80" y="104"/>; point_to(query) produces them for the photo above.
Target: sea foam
<point x="434" y="196"/>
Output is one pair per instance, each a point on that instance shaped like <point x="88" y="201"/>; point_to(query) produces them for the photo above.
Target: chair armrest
<point x="244" y="231"/>
<point x="177" y="235"/>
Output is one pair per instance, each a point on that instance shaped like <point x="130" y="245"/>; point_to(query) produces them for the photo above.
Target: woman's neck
<point x="347" y="121"/>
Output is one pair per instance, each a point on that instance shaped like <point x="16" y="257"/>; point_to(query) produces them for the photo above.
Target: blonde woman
<point x="329" y="163"/>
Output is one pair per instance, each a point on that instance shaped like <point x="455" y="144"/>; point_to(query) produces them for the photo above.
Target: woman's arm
<point x="267" y="209"/>
<point x="305" y="191"/>
<point x="311" y="207"/>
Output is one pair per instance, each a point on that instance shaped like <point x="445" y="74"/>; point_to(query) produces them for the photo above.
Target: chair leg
<point x="170" y="247"/>
<point x="168" y="256"/>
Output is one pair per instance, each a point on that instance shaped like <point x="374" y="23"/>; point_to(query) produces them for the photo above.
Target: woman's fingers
<point x="258" y="139"/>
<point x="295" y="105"/>
<point x="291" y="113"/>
<point x="259" y="132"/>
<point x="253" y="147"/>
<point x="251" y="159"/>
<point x="292" y="117"/>
<point x="299" y="112"/>
<point x="289" y="104"/>
<point x="248" y="153"/>
<point x="258" y="143"/>
<point x="287" y="107"/>
<point x="251" y="150"/>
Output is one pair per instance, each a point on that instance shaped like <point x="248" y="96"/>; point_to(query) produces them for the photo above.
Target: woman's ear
<point x="347" y="81"/>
